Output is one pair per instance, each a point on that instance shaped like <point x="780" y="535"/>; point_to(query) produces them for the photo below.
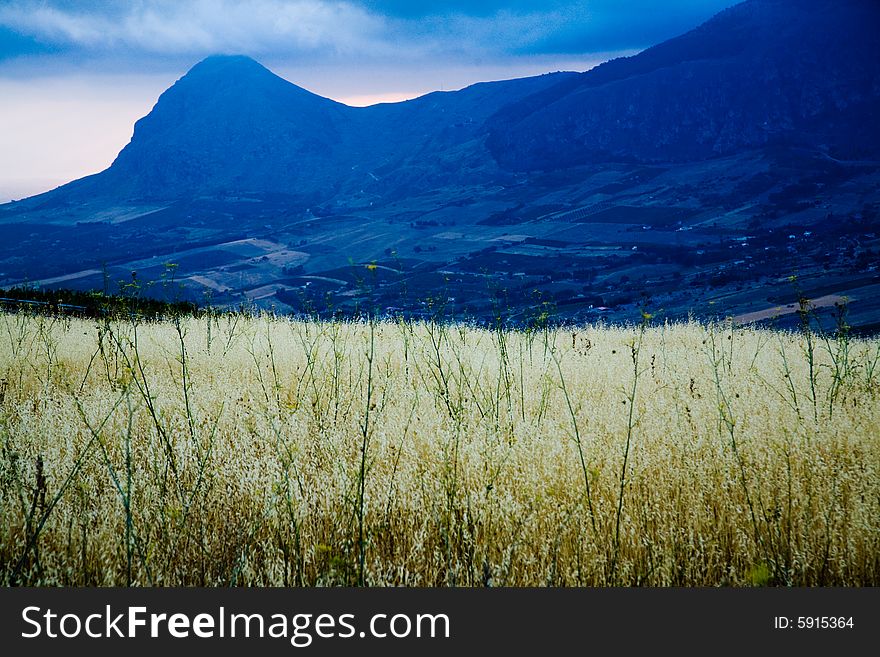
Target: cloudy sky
<point x="75" y="75"/>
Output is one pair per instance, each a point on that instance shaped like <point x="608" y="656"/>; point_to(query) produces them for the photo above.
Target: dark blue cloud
<point x="136" y="34"/>
<point x="606" y="25"/>
<point x="421" y="9"/>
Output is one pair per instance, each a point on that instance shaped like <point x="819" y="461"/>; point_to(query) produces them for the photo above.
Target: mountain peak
<point x="227" y="122"/>
<point x="228" y="65"/>
<point x="223" y="71"/>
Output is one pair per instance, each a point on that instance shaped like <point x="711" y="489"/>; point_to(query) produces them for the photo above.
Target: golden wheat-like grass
<point x="267" y="451"/>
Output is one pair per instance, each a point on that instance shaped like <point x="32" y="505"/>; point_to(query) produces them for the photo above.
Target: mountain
<point x="764" y="72"/>
<point x="760" y="73"/>
<point x="231" y="126"/>
<point x="699" y="176"/>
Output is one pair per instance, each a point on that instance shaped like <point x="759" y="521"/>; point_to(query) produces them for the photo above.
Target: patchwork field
<point x="240" y="450"/>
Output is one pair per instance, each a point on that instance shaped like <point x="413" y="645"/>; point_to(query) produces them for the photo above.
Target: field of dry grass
<point x="262" y="451"/>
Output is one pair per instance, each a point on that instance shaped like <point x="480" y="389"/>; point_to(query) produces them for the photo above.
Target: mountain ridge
<point x="231" y="125"/>
<point x="743" y="79"/>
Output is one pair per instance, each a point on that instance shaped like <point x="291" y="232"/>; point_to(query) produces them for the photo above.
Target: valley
<point x="742" y="236"/>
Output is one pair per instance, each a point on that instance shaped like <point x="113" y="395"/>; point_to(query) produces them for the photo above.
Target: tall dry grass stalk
<point x="266" y="451"/>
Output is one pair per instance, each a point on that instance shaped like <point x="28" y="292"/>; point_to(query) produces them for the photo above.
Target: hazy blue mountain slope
<point x="803" y="72"/>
